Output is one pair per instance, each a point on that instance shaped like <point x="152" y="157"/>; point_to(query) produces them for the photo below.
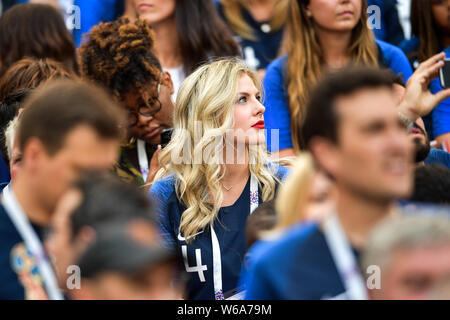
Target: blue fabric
<point x="229" y="228"/>
<point x="11" y="287"/>
<point x="259" y="53"/>
<point x="391" y="30"/>
<point x="299" y="266"/>
<point x="94" y="12"/>
<point x="440" y="157"/>
<point x="277" y="115"/>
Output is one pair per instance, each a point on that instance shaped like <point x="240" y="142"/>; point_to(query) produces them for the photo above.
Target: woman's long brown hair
<point x="305" y="58"/>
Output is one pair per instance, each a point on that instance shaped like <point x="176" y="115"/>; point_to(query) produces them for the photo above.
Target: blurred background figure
<point x="187" y="34"/>
<point x="99" y="201"/>
<point x="320" y="36"/>
<point x="35" y="30"/>
<point x="17" y="83"/>
<point x="431" y="35"/>
<point x="95" y="12"/>
<point x="118" y="55"/>
<point x="431" y="185"/>
<point x="307" y="195"/>
<point x="124" y="262"/>
<point x="413" y="256"/>
<point x="390" y="29"/>
<point x="66" y="127"/>
<point x="258" y="27"/>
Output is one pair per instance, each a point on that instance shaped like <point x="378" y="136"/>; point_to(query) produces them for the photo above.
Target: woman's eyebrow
<point x="248" y="94"/>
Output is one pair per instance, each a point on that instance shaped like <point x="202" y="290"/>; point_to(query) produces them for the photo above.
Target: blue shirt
<point x="19" y="275"/>
<point x="94" y="12"/>
<point x="390" y="28"/>
<point x="440" y="157"/>
<point x="277" y="115"/>
<point x="229" y="228"/>
<point x="260" y="52"/>
<point x="299" y="266"/>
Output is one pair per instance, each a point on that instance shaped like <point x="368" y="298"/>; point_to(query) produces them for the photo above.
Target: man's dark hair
<point x="52" y="112"/>
<point x="321" y="116"/>
<point x="431" y="184"/>
<point x="263" y="218"/>
<point x="107" y="199"/>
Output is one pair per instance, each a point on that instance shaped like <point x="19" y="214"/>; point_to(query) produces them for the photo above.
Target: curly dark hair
<point x="118" y="55"/>
<point x="432" y="184"/>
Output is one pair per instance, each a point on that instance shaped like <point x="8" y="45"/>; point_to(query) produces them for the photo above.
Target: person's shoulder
<point x="163" y="188"/>
<point x="277" y="65"/>
<point x="389" y="50"/>
<point x="295" y="240"/>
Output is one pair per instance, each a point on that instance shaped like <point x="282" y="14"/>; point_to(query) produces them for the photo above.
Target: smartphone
<point x="444" y="74"/>
<point x="166" y="135"/>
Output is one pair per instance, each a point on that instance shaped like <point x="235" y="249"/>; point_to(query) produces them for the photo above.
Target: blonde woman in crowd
<point x="215" y="172"/>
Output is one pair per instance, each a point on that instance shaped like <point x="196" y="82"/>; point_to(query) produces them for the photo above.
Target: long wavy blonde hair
<point x="233" y="12"/>
<point x="208" y="96"/>
<point x="305" y="58"/>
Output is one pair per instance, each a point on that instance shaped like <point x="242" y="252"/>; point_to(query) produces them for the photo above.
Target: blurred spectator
<point x="12" y="147"/>
<point x="65" y="128"/>
<point x="354" y="134"/>
<point x="258" y="26"/>
<point x="431" y="185"/>
<point x="119" y="57"/>
<point x="412" y="254"/>
<point x="306" y="195"/>
<point x="404" y="11"/>
<point x="390" y="28"/>
<point x="419" y="136"/>
<point x="125" y="262"/>
<point x="431" y="35"/>
<point x="35" y="30"/>
<point x="264" y="218"/>
<point x="187" y="34"/>
<point x="93" y="202"/>
<point x="16" y="84"/>
<point x="95" y="12"/>
<point x="204" y="202"/>
<point x="320" y="36"/>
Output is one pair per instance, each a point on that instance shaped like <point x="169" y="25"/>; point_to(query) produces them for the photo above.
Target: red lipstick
<point x="259" y="125"/>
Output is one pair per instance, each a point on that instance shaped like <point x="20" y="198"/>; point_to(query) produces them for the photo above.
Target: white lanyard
<point x="142" y="158"/>
<point x="344" y="259"/>
<point x="32" y="242"/>
<point x="217" y="260"/>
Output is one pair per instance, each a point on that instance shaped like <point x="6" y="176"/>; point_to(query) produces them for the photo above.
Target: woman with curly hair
<point x="118" y="55"/>
<point x="187" y="34"/>
<point x="35" y="30"/>
<point x="321" y="36"/>
<point x="215" y="172"/>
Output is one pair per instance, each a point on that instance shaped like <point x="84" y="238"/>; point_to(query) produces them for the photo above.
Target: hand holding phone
<point x="444" y="74"/>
